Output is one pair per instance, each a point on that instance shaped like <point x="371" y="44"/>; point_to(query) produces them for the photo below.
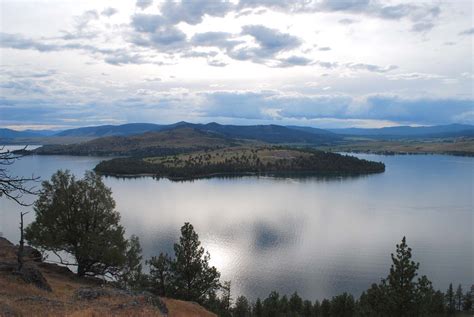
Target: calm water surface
<point x="319" y="236"/>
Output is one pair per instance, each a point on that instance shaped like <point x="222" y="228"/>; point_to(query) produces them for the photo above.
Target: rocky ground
<point x="45" y="289"/>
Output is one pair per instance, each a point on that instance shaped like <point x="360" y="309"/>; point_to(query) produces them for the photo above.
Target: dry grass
<point x="247" y="154"/>
<point x="20" y="299"/>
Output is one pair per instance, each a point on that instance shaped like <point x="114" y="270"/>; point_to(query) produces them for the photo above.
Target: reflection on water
<point x="317" y="235"/>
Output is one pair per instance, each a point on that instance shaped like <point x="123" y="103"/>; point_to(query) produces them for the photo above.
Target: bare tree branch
<point x="14" y="187"/>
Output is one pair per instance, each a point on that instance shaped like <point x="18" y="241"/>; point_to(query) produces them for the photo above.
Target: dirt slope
<point x="73" y="296"/>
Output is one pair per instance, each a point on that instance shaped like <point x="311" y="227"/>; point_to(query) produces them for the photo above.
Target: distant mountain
<point x="267" y="133"/>
<point x="169" y="142"/>
<point x="13" y="134"/>
<point x="451" y="130"/>
<point x="111" y="130"/>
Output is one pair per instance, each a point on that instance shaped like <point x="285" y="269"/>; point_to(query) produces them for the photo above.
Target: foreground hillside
<point x="240" y="161"/>
<point x="73" y="296"/>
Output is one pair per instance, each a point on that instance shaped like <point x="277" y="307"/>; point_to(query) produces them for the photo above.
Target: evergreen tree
<point x="467" y="301"/>
<point x="450" y="300"/>
<point x="325" y="308"/>
<point x="258" y="308"/>
<point x="271" y="304"/>
<point x="78" y="217"/>
<point x="342" y="306"/>
<point x="161" y="275"/>
<point x="317" y="308"/>
<point x="307" y="308"/>
<point x="459" y="298"/>
<point x="131" y="276"/>
<point x="242" y="307"/>
<point x="400" y="281"/>
<point x="193" y="278"/>
<point x="296" y="304"/>
<point x="226" y="298"/>
<point x="428" y="302"/>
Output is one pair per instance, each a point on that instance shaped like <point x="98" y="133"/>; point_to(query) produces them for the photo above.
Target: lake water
<point x="319" y="236"/>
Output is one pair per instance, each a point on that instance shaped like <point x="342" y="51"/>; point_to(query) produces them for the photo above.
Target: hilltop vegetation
<point x="168" y="142"/>
<point x="240" y="161"/>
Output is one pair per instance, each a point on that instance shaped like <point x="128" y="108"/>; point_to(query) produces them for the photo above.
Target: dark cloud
<point x="467" y="32"/>
<point x="422" y="26"/>
<point x="143" y="4"/>
<point x="147" y="23"/>
<point x="108" y="12"/>
<point x="192" y="12"/>
<point x="271" y="40"/>
<point x="294" y="61"/>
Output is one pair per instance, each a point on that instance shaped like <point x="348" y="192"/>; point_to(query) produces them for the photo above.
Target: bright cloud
<point x="369" y="62"/>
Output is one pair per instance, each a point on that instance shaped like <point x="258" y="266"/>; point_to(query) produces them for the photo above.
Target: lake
<point x="319" y="236"/>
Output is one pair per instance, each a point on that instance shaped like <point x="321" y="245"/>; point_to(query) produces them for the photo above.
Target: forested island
<point x="233" y="161"/>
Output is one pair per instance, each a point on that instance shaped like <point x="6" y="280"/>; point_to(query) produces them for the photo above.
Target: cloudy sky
<point x="322" y="63"/>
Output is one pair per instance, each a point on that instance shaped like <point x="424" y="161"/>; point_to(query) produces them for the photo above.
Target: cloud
<point x="325" y="48"/>
<point x="422" y="26"/>
<point x="413" y="76"/>
<point x="271" y="40"/>
<point x="221" y="40"/>
<point x="143" y="4"/>
<point x="467" y="32"/>
<point x="370" y="67"/>
<point x="294" y="61"/>
<point x="347" y="21"/>
<point x="192" y="12"/>
<point x="108" y="12"/>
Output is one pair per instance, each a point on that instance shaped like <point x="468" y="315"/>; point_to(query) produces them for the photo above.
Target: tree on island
<point x="78" y="217"/>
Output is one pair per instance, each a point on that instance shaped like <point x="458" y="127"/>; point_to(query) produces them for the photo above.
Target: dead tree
<point x="22" y="243"/>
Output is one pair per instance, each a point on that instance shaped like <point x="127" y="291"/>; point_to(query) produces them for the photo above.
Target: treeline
<point x="78" y="217"/>
<point x="317" y="162"/>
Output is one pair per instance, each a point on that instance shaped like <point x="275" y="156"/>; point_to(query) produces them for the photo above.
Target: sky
<point x="320" y="63"/>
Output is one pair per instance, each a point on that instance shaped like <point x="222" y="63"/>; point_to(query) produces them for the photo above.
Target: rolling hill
<point x="173" y="141"/>
<point x="440" y="131"/>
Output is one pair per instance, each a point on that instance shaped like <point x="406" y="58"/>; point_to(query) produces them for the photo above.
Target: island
<point x="239" y="161"/>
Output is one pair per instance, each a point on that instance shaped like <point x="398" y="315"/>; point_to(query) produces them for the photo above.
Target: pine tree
<point x="258" y="308"/>
<point x="296" y="303"/>
<point x="450" y="300"/>
<point x="242" y="307"/>
<point x="459" y="297"/>
<point x="160" y="274"/>
<point x="307" y="308"/>
<point x="325" y="308"/>
<point x="193" y="277"/>
<point x="131" y="276"/>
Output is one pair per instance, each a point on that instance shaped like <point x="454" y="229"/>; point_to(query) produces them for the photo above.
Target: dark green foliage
<point x="193" y="278"/>
<point x="318" y="162"/>
<point x="467" y="301"/>
<point x="401" y="283"/>
<point x="296" y="304"/>
<point x="242" y="307"/>
<point x="428" y="301"/>
<point x="78" y="217"/>
<point x="307" y="310"/>
<point x="459" y="298"/>
<point x="160" y="274"/>
<point x="450" y="300"/>
<point x="342" y="306"/>
<point x="257" y="309"/>
<point x="131" y="276"/>
<point x="325" y="310"/>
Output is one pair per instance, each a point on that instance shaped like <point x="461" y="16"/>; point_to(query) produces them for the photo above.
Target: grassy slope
<point x="151" y="143"/>
<point x="26" y="300"/>
<point x="239" y="161"/>
<point x="460" y="146"/>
